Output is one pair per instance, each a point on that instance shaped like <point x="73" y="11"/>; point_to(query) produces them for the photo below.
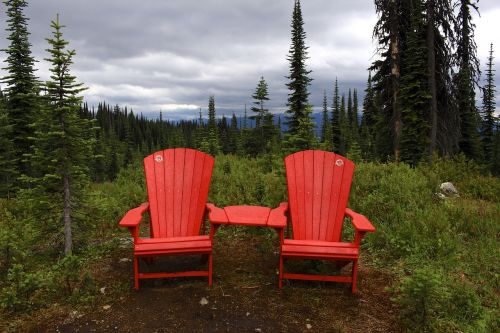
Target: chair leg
<point x="210" y="269"/>
<point x="281" y="272"/>
<point x="354" y="275"/>
<point x="136" y="273"/>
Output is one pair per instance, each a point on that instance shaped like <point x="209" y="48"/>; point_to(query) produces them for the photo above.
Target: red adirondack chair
<point x="318" y="190"/>
<point x="177" y="182"/>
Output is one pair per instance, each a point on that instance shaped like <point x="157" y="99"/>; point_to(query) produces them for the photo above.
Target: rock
<point x="308" y="326"/>
<point x="203" y="301"/>
<point x="124" y="260"/>
<point x="103" y="290"/>
<point x="258" y="330"/>
<point x="106" y="307"/>
<point x="448" y="189"/>
<point x="440" y="196"/>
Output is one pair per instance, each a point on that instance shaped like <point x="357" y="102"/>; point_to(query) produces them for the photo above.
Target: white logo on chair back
<point x="158" y="158"/>
<point x="339" y="163"/>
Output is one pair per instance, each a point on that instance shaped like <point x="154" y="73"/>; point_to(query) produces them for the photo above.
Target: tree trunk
<point x="431" y="65"/>
<point x="68" y="237"/>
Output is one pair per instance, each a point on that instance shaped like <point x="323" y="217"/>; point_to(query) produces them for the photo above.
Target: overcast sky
<point x="171" y="55"/>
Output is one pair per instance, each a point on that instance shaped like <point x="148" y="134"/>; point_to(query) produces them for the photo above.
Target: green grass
<point x="443" y="253"/>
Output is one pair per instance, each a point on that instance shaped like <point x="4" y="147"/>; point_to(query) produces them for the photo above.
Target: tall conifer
<point x="22" y="86"/>
<point x="63" y="141"/>
<point x="299" y="79"/>
<point x="489" y="105"/>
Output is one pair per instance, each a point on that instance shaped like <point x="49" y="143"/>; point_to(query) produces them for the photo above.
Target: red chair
<point x="177" y="182"/>
<point x="318" y="190"/>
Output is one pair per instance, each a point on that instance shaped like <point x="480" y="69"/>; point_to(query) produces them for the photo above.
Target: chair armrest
<point x="278" y="216"/>
<point x="360" y="222"/>
<point x="216" y="215"/>
<point x="134" y="216"/>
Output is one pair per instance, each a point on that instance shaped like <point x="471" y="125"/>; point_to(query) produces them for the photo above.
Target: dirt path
<point x="244" y="298"/>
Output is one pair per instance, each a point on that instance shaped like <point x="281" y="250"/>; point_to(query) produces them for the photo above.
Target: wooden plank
<point x="206" y="175"/>
<point x="308" y="193"/>
<point x="318" y="172"/>
<point x="308" y="242"/>
<point x="328" y="164"/>
<point x="178" y="181"/>
<point x="195" y="192"/>
<point x="189" y="161"/>
<point x="159" y="163"/>
<point x="178" y="247"/>
<point x="292" y="191"/>
<point x="300" y="232"/>
<point x="338" y="170"/>
<point x="172" y="275"/>
<point x="149" y="171"/>
<point x="328" y="278"/>
<point x="168" y="178"/>
<point x="343" y="197"/>
<point x="173" y="239"/>
<point x="247" y="215"/>
<point x="319" y="252"/>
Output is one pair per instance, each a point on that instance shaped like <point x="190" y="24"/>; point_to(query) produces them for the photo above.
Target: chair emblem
<point x="339" y="162"/>
<point x="158" y="158"/>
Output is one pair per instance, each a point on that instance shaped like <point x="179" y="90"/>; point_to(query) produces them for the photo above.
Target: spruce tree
<point x="415" y="97"/>
<point x="213" y="146"/>
<point x="326" y="126"/>
<point x="63" y="141"/>
<point x="489" y="105"/>
<point x="466" y="80"/>
<point x="336" y="135"/>
<point x="299" y="79"/>
<point x="22" y="86"/>
<point x="368" y="121"/>
<point x="264" y="127"/>
<point x="7" y="158"/>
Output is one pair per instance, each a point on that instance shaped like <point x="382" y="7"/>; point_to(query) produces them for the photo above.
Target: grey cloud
<point x="150" y="54"/>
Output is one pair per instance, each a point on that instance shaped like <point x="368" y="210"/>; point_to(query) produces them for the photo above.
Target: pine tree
<point x="326" y="126"/>
<point x="264" y="126"/>
<point x="7" y="158"/>
<point x="63" y="141"/>
<point x="343" y="126"/>
<point x="22" y="102"/>
<point x="489" y="105"/>
<point x="214" y="147"/>
<point x="299" y="80"/>
<point x="415" y="96"/>
<point x="368" y="121"/>
<point x="466" y="80"/>
<point x="336" y="135"/>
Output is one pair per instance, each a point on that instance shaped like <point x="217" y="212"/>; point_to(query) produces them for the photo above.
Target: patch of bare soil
<point x="244" y="297"/>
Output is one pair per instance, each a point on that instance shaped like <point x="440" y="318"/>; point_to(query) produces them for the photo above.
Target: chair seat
<point x="319" y="249"/>
<point x="173" y="245"/>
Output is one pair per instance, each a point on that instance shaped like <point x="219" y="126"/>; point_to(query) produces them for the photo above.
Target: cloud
<point x="172" y="55"/>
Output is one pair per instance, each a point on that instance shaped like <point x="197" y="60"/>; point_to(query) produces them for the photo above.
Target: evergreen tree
<point x="264" y="126"/>
<point x="415" y="95"/>
<point x="22" y="102"/>
<point x="466" y="79"/>
<point x="63" y="140"/>
<point x="326" y="126"/>
<point x="344" y="127"/>
<point x="212" y="138"/>
<point x="304" y="138"/>
<point x="390" y="33"/>
<point x="7" y="158"/>
<point x="299" y="80"/>
<point x="489" y="105"/>
<point x="336" y="135"/>
<point x="368" y="121"/>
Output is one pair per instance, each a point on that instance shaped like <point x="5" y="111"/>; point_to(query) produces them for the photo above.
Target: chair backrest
<point x="177" y="181"/>
<point x="319" y="183"/>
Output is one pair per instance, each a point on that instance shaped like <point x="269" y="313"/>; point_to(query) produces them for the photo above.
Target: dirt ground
<point x="244" y="297"/>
